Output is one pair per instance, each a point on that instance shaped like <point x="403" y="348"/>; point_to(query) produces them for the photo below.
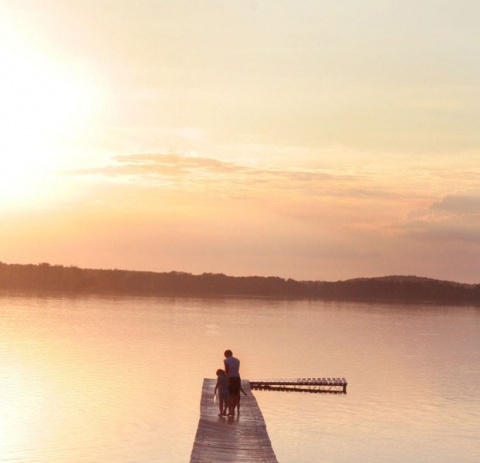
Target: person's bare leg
<point x="231" y="406"/>
<point x="235" y="402"/>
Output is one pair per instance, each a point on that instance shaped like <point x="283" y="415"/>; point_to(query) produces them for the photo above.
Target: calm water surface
<point x="118" y="380"/>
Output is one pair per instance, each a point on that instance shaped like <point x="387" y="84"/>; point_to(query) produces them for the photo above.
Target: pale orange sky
<point x="311" y="140"/>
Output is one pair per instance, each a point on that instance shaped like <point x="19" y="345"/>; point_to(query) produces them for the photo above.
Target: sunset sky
<point x="307" y="139"/>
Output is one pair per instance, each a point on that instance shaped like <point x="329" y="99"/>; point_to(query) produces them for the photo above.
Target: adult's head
<point x="228" y="353"/>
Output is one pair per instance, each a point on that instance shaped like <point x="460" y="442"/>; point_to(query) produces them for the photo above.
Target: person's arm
<point x="226" y="367"/>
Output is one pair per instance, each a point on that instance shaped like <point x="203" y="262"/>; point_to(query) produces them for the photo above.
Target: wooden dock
<point x="239" y="439"/>
<point x="333" y="385"/>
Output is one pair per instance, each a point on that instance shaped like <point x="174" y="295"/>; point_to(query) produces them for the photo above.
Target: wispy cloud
<point x="458" y="205"/>
<point x="316" y="197"/>
<point x="455" y="218"/>
<point x="186" y="172"/>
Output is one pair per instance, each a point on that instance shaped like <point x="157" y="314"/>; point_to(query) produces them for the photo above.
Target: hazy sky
<point x="310" y="139"/>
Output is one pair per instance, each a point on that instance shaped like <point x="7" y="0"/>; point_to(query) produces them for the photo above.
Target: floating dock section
<point x="239" y="439"/>
<point x="338" y="385"/>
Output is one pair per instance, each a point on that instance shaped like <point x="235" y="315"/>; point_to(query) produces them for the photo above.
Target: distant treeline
<point x="46" y="278"/>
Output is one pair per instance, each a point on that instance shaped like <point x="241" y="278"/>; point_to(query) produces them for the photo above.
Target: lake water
<point x="118" y="380"/>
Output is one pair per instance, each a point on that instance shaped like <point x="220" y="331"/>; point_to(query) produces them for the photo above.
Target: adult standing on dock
<point x="232" y="369"/>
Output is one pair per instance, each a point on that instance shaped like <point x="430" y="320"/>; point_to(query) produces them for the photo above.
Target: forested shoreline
<point x="34" y="278"/>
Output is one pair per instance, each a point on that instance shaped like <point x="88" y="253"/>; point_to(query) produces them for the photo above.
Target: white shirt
<point x="233" y="367"/>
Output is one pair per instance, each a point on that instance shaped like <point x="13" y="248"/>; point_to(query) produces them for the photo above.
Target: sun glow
<point x="19" y="415"/>
<point x="44" y="107"/>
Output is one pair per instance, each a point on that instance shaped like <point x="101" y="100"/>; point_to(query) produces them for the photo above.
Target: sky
<point x="311" y="139"/>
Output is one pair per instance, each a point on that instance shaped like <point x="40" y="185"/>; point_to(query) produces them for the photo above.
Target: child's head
<point x="220" y="372"/>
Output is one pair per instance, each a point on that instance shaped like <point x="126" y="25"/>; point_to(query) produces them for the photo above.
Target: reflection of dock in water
<point x="335" y="385"/>
<point x="239" y="439"/>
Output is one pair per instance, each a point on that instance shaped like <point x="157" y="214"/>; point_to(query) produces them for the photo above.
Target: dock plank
<point x="239" y="439"/>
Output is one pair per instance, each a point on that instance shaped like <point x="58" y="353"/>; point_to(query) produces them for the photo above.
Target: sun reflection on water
<point x="24" y="407"/>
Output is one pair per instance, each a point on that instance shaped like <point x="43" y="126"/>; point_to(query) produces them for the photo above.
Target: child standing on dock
<point x="221" y="390"/>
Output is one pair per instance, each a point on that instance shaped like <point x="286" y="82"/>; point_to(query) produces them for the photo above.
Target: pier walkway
<point x="239" y="439"/>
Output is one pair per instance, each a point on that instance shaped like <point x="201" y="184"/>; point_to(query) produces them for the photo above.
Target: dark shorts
<point x="234" y="386"/>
